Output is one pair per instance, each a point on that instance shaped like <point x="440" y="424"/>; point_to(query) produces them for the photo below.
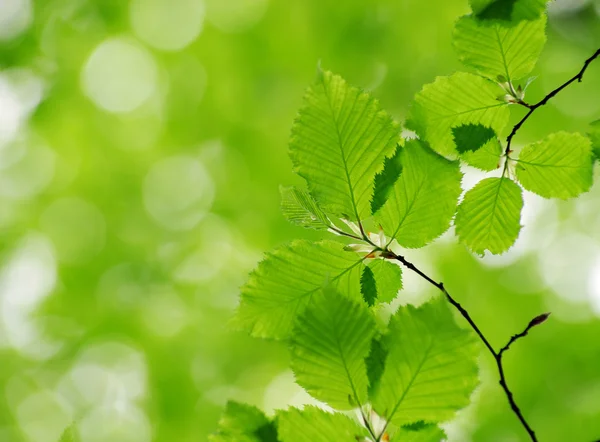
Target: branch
<point x="543" y="101"/>
<point x="496" y="354"/>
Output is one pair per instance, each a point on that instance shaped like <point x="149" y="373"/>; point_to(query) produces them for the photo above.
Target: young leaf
<point x="508" y="10"/>
<point x="329" y="345"/>
<point x="419" y="433"/>
<point x="423" y="200"/>
<point x="496" y="49"/>
<point x="594" y="135"/>
<point x="471" y="137"/>
<point x="452" y="101"/>
<point x="431" y="368"/>
<point x="559" y="166"/>
<point x="339" y="142"/>
<point x="368" y="286"/>
<point x="315" y="425"/>
<point x="244" y="423"/>
<point x="489" y="216"/>
<point x="487" y="157"/>
<point x="289" y="279"/>
<point x="299" y="208"/>
<point x="387" y="277"/>
<point x="385" y="180"/>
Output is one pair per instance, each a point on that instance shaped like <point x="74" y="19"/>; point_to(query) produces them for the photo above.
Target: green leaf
<point x="387" y="277"/>
<point x="420" y="432"/>
<point x="315" y="425"/>
<point x="423" y="200"/>
<point x="471" y="137"/>
<point x="559" y="166"/>
<point x="385" y="180"/>
<point x="339" y="142"/>
<point x="431" y="368"/>
<point x="508" y="10"/>
<point x="453" y="101"/>
<point x="291" y="278"/>
<point x="299" y="208"/>
<point x="329" y="345"/>
<point x="368" y="286"/>
<point x="489" y="216"/>
<point x="594" y="135"/>
<point x="244" y="423"/>
<point x="496" y="49"/>
<point x="487" y="157"/>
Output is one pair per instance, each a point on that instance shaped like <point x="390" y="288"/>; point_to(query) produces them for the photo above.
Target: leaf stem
<point x="496" y="354"/>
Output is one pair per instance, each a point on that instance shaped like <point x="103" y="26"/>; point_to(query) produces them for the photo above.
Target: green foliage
<point x="339" y="142"/>
<point x="418" y="369"/>
<point x="289" y="279"/>
<point x="498" y="50"/>
<point x="594" y="134"/>
<point x="489" y="216"/>
<point x="424" y="198"/>
<point x="431" y="366"/>
<point x="244" y="423"/>
<point x="301" y="209"/>
<point x="559" y="166"/>
<point x="454" y="101"/>
<point x="387" y="277"/>
<point x="315" y="425"/>
<point x="329" y="345"/>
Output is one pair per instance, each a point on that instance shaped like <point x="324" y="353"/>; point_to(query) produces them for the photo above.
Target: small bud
<point x="538" y="319"/>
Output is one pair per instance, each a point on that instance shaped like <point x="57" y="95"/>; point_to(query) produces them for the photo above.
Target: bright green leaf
<point x="330" y="342"/>
<point x="289" y="279"/>
<point x="487" y="157"/>
<point x="489" y="216"/>
<point x="368" y="286"/>
<point x="385" y="180"/>
<point x="453" y="101"/>
<point x="315" y="425"/>
<point x="299" y="208"/>
<point x="419" y="433"/>
<point x="244" y="423"/>
<point x="508" y="10"/>
<point x="387" y="277"/>
<point x="423" y="200"/>
<point x="496" y="49"/>
<point x="339" y="142"/>
<point x="559" y="166"/>
<point x="431" y="368"/>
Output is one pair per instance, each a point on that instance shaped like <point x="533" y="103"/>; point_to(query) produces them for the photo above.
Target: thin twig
<point x="496" y="354"/>
<point x="532" y="107"/>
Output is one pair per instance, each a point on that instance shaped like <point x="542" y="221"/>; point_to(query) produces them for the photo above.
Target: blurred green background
<point x="142" y="143"/>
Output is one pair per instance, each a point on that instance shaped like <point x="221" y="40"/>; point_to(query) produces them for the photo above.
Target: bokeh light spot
<point x="119" y="75"/>
<point x="15" y="17"/>
<point x="166" y="24"/>
<point x="178" y="192"/>
<point x="43" y="416"/>
<point x="115" y="424"/>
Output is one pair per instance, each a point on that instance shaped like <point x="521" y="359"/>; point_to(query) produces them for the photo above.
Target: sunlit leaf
<point x="489" y="216"/>
<point x="339" y="142"/>
<point x="508" y="10"/>
<point x="388" y="279"/>
<point x="431" y="367"/>
<point x="299" y="208"/>
<point x="289" y="279"/>
<point x="559" y="166"/>
<point x="421" y="432"/>
<point x="313" y="424"/>
<point x="385" y="180"/>
<point x="244" y="423"/>
<point x="495" y="49"/>
<point x="454" y="101"/>
<point x="423" y="200"/>
<point x="471" y="137"/>
<point x="330" y="342"/>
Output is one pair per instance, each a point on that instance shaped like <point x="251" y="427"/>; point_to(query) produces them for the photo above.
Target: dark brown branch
<point x="496" y="354"/>
<point x="532" y="108"/>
